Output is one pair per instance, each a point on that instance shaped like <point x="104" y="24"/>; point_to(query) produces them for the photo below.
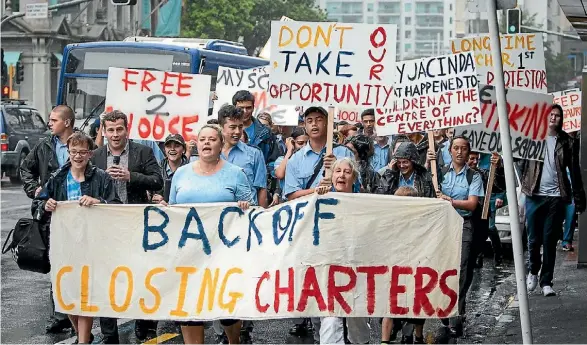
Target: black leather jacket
<point x="38" y="166"/>
<point x="566" y="155"/>
<point x="389" y="182"/>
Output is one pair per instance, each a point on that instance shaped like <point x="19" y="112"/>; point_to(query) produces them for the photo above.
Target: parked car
<point x="502" y="215"/>
<point x="21" y="128"/>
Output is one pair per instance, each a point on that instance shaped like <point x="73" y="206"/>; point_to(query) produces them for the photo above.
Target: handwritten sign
<point x="528" y="114"/>
<point x="522" y="56"/>
<point x="323" y="64"/>
<point x="255" y="80"/>
<point x="570" y="100"/>
<point x="316" y="256"/>
<point x="266" y="51"/>
<point x="432" y="93"/>
<point x="159" y="103"/>
<point x="348" y="114"/>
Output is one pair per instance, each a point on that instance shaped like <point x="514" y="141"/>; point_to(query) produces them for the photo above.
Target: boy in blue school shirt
<point x="305" y="168"/>
<point x="234" y="151"/>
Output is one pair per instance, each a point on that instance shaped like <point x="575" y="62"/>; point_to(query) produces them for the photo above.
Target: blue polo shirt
<point x="60" y="151"/>
<point x="300" y="167"/>
<point x="457" y="187"/>
<point x="251" y="160"/>
<point x="381" y="157"/>
<point x="407" y="183"/>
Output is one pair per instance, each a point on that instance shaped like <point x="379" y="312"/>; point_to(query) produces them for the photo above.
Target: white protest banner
<point x="528" y="114"/>
<point x="256" y="81"/>
<point x="159" y="103"/>
<point x="432" y="93"/>
<point x="570" y="100"/>
<point x="522" y="56"/>
<point x="324" y="64"/>
<point x="316" y="256"/>
<point x="266" y="51"/>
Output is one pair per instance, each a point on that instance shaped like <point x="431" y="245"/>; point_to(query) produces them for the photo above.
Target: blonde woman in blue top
<point x="207" y="180"/>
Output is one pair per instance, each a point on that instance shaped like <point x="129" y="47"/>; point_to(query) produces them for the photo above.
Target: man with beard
<point x="175" y="157"/>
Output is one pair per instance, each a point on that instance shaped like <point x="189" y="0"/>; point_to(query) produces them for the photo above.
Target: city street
<point x="26" y="305"/>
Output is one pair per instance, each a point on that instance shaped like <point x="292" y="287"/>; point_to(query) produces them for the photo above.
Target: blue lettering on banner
<point x="322" y="215"/>
<point x="148" y="228"/>
<point x="298" y="216"/>
<point x="277" y="223"/>
<point x="200" y="235"/>
<point x="320" y="64"/>
<point x="339" y="65"/>
<point x="253" y="227"/>
<point x="221" y="226"/>
<point x="305" y="62"/>
<point x="287" y="54"/>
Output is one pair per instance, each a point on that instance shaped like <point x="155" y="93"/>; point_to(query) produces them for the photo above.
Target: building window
<point x="408" y="21"/>
<point x="408" y="7"/>
<point x="450" y="20"/>
<point x="450" y="34"/>
<point x="369" y="7"/>
<point x="407" y="47"/>
<point x="408" y="34"/>
<point x="450" y="7"/>
<point x="369" y="20"/>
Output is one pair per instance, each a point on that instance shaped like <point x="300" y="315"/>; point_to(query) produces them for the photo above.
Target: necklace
<point x="209" y="171"/>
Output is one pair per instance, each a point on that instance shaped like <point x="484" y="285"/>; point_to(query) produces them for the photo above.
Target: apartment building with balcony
<point x="425" y="27"/>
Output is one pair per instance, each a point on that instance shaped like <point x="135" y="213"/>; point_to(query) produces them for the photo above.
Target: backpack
<point x="30" y="245"/>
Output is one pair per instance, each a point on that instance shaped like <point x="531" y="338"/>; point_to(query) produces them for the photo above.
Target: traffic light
<point x="123" y="2"/>
<point x="514" y="20"/>
<point x="19" y="72"/>
<point x="5" y="91"/>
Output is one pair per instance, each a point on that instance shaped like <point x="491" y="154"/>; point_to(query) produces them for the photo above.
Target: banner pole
<point x="329" y="139"/>
<point x="488" y="192"/>
<point x="433" y="167"/>
<point x="510" y="179"/>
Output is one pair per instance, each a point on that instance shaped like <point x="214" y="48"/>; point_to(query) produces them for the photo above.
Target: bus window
<point x="84" y="96"/>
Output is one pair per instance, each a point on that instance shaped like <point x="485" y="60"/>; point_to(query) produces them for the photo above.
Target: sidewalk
<point x="559" y="319"/>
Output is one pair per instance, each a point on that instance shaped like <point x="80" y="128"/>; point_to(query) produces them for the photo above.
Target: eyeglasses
<point x="80" y="153"/>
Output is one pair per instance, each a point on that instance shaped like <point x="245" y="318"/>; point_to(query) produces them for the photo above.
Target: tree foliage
<point x="249" y="19"/>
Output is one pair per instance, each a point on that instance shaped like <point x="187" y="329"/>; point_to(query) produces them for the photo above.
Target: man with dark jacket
<point x="175" y="157"/>
<point x="406" y="171"/>
<point x="548" y="190"/>
<point x="45" y="158"/>
<point x="135" y="170"/>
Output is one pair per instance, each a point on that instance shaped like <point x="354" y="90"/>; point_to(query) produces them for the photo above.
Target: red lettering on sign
<point x="172" y="125"/>
<point x="148" y="78"/>
<point x="371" y="271"/>
<point x="421" y="300"/>
<point x="126" y="81"/>
<point x="186" y="131"/>
<point x="397" y="289"/>
<point x="261" y="308"/>
<point x="378" y="38"/>
<point x="182" y="77"/>
<point x="447" y="291"/>
<point x="334" y="291"/>
<point x="165" y="83"/>
<point x="287" y="290"/>
<point x="158" y="128"/>
<point x="311" y="289"/>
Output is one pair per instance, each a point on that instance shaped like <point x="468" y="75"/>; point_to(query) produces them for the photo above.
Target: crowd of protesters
<point x="248" y="160"/>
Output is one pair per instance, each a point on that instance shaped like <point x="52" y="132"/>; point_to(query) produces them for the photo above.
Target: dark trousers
<point x="544" y="217"/>
<point x="467" y="269"/>
<point x="54" y="314"/>
<point x="109" y="329"/>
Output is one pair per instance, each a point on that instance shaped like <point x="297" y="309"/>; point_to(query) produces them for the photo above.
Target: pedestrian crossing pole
<point x="508" y="162"/>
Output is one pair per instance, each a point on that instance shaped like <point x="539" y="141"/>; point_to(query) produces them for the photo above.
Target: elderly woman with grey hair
<point x="344" y="174"/>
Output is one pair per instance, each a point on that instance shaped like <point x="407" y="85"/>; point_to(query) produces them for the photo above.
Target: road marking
<point x="15" y="208"/>
<point x="162" y="338"/>
<point x="95" y="331"/>
<point x="12" y="191"/>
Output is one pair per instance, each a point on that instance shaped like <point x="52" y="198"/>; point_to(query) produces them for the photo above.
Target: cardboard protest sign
<point x="570" y="100"/>
<point x="528" y="114"/>
<point x="323" y="64"/>
<point x="432" y="93"/>
<point x="255" y="80"/>
<point x="159" y="103"/>
<point x="348" y="114"/>
<point x="316" y="256"/>
<point x="522" y="56"/>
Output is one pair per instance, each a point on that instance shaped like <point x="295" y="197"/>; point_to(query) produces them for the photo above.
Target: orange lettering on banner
<point x="210" y="284"/>
<point x="160" y="129"/>
<point x="85" y="294"/>
<point x="60" y="273"/>
<point x="153" y="290"/>
<point x="234" y="296"/>
<point x="129" y="289"/>
<point x="185" y="272"/>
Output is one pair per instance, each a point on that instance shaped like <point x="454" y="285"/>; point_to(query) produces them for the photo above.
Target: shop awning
<point x="11" y="58"/>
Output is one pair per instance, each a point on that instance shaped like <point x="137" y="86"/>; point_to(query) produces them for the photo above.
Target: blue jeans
<point x="544" y="217"/>
<point x="570" y="223"/>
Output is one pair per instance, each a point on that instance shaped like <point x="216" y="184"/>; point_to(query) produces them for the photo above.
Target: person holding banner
<point x="175" y="157"/>
<point x="210" y="179"/>
<point x="306" y="167"/>
<point x="77" y="180"/>
<point x="548" y="190"/>
<point x="298" y="139"/>
<point x="462" y="187"/>
<point x="345" y="173"/>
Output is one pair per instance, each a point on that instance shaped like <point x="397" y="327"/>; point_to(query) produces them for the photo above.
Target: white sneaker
<point x="531" y="282"/>
<point x="548" y="291"/>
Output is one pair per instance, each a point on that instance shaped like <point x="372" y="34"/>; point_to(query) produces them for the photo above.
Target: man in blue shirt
<point x="305" y="168"/>
<point x="259" y="135"/>
<point x="249" y="158"/>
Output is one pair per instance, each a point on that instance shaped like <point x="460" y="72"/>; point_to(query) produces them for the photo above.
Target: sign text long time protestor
<point x="332" y="64"/>
<point x="316" y="256"/>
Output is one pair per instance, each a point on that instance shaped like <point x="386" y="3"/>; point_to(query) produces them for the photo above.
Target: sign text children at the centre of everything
<point x="332" y="64"/>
